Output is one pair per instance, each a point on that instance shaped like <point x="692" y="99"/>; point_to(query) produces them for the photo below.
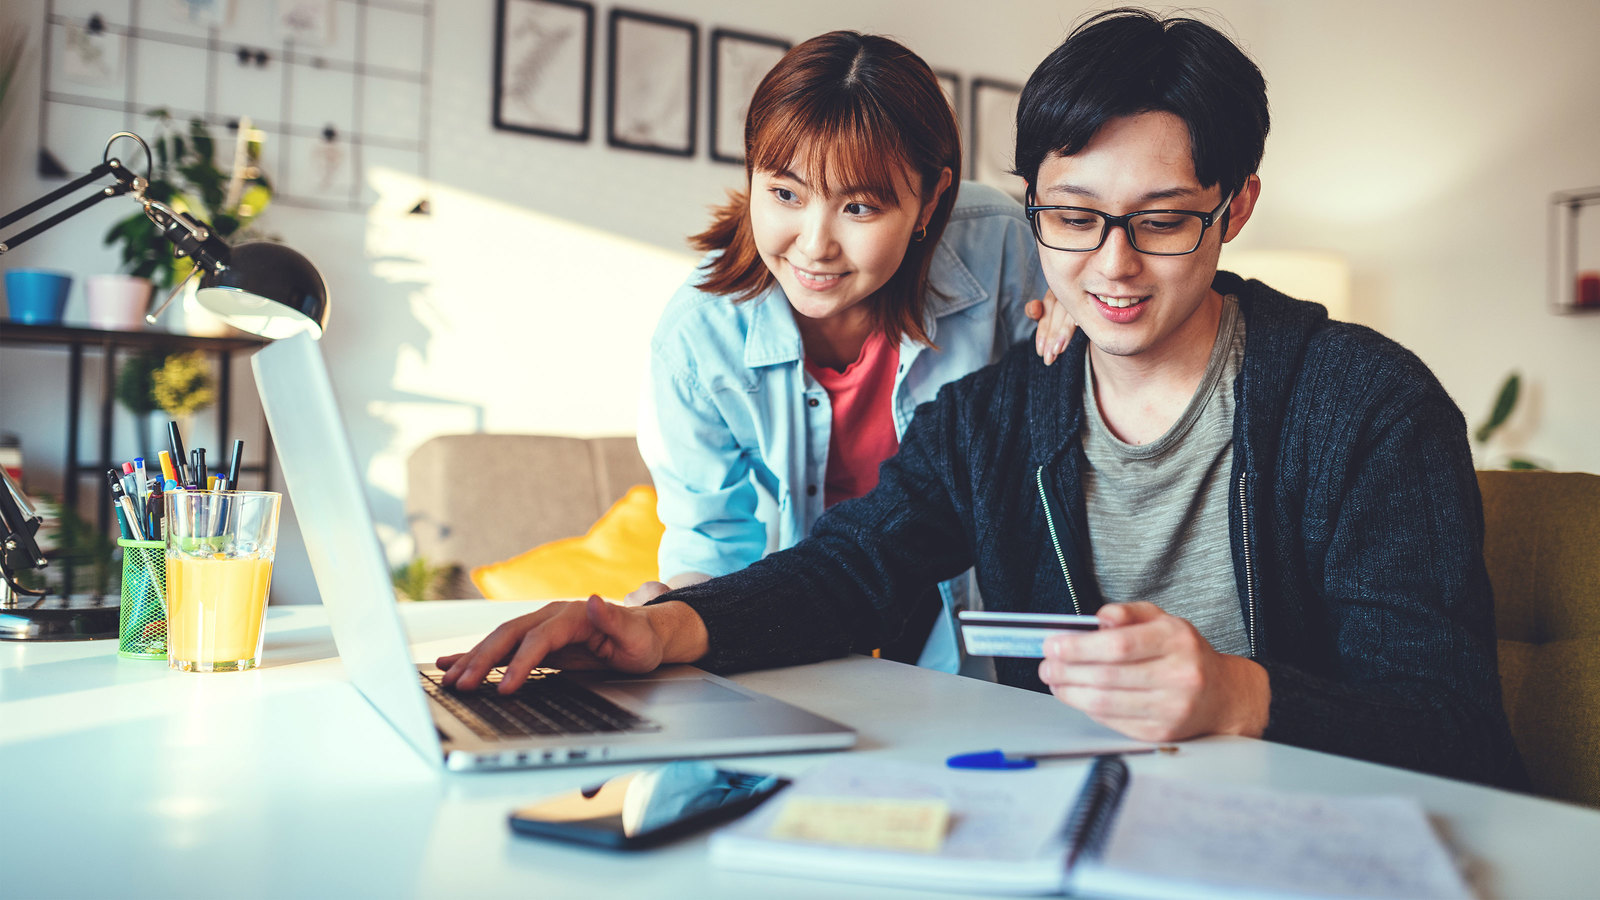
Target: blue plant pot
<point x="37" y="296"/>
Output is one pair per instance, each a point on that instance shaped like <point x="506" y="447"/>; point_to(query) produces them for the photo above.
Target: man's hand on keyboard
<point x="590" y="634"/>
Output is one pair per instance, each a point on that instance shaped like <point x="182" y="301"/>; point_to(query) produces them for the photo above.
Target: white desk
<point x="120" y="778"/>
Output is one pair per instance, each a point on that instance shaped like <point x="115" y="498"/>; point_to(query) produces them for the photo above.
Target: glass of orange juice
<point x="220" y="547"/>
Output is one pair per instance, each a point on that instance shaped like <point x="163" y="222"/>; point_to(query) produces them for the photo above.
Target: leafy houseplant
<point x="73" y="542"/>
<point x="187" y="178"/>
<point x="133" y="392"/>
<point x="420" y="580"/>
<point x="13" y="47"/>
<point x="182" y="386"/>
<point x="1504" y="403"/>
<point x="179" y="385"/>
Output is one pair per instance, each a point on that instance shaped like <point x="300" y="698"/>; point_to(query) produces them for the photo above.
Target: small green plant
<point x="134" y="381"/>
<point x="1505" y="402"/>
<point x="182" y="385"/>
<point x="187" y="178"/>
<point x="13" y="49"/>
<point x="420" y="580"/>
<point x="73" y="542"/>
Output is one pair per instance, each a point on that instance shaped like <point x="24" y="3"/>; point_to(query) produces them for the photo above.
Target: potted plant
<point x="133" y="392"/>
<point x="186" y="177"/>
<point x="13" y="48"/>
<point x="72" y="544"/>
<point x="1505" y="402"/>
<point x="420" y="580"/>
<point x="178" y="385"/>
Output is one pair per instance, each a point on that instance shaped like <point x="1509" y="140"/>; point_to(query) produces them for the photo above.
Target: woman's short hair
<point x="847" y="109"/>
<point x="1128" y="61"/>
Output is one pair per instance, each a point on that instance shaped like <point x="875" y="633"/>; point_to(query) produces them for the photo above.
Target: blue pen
<point x="999" y="759"/>
<point x="140" y="479"/>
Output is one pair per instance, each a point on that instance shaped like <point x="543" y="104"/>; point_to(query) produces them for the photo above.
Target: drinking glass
<point x="220" y="547"/>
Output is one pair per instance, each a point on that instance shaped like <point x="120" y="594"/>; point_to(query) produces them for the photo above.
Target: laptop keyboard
<point x="546" y="705"/>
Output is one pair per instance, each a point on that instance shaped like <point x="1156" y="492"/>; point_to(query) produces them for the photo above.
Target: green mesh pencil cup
<point x="143" y="633"/>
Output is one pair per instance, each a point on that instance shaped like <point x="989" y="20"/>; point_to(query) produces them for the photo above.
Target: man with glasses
<point x="1275" y="517"/>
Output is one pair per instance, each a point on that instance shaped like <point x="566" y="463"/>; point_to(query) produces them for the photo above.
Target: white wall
<point x="1420" y="140"/>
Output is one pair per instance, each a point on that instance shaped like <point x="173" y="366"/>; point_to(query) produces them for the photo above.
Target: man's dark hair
<point x="1127" y="61"/>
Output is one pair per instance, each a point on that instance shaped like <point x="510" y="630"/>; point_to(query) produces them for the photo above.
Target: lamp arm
<point x="126" y="182"/>
<point x="99" y="171"/>
<point x="152" y="316"/>
<point x="192" y="237"/>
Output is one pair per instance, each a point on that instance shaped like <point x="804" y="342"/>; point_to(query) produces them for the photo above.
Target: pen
<point x="129" y="485"/>
<point x="167" y="471"/>
<point x="201" y="477"/>
<point x="140" y="478"/>
<point x="120" y="497"/>
<point x="233" y="465"/>
<point x="178" y="459"/>
<point x="153" y="511"/>
<point x="999" y="759"/>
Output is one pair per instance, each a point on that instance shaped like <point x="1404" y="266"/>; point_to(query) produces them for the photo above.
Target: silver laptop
<point x="560" y="718"/>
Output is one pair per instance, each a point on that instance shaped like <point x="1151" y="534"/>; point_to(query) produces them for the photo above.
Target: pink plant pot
<point x="117" y="302"/>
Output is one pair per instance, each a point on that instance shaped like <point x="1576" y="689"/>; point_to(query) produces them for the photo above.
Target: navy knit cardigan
<point x="1357" y="536"/>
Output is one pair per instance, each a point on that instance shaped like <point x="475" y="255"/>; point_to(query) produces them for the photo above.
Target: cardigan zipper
<point x="1055" y="541"/>
<point x="1249" y="570"/>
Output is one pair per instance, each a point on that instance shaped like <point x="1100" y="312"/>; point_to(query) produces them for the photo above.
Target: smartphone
<point x="647" y="807"/>
<point x="1016" y="635"/>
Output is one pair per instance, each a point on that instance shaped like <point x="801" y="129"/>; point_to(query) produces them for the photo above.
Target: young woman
<point x="849" y="282"/>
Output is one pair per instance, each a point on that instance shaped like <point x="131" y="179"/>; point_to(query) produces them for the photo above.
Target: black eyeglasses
<point x="1158" y="232"/>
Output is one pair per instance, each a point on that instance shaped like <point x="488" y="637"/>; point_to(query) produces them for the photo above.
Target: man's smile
<point x="1120" y="302"/>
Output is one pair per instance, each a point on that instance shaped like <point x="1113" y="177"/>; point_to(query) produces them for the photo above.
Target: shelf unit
<point x="1567" y="249"/>
<point x="109" y="344"/>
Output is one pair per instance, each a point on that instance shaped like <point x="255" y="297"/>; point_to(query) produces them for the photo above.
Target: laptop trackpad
<point x="674" y="690"/>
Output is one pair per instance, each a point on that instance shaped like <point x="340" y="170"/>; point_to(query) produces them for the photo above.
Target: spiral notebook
<point x="1099" y="831"/>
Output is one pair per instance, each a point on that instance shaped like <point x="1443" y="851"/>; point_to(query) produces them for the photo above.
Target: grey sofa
<point x="473" y="499"/>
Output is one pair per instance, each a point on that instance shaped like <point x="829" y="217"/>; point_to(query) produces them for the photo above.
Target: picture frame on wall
<point x="543" y="67"/>
<point x="738" y="63"/>
<point x="950" y="84"/>
<point x="652" y="78"/>
<point x="993" y="129"/>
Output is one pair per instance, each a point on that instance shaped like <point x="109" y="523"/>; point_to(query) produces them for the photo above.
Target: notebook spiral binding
<point x="1090" y="823"/>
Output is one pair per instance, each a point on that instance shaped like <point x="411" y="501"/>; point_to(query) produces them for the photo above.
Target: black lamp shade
<point x="267" y="289"/>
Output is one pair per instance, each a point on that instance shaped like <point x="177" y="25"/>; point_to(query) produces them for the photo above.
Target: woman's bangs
<point x="842" y="154"/>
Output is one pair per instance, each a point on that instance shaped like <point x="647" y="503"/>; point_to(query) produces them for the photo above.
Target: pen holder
<point x="143" y="634"/>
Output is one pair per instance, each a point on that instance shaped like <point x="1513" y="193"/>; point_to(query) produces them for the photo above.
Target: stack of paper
<point x="1126" y="836"/>
<point x="1003" y="834"/>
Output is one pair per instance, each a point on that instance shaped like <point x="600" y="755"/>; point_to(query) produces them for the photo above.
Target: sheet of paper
<point x="1175" y="838"/>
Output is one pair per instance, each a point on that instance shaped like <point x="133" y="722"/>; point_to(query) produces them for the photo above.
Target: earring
<point x="921" y="234"/>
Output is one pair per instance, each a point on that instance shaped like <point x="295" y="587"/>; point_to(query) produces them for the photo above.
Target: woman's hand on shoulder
<point x="1055" y="326"/>
<point x="644" y="593"/>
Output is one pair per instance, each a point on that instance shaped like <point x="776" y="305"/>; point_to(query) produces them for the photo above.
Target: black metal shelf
<point x="108" y="344"/>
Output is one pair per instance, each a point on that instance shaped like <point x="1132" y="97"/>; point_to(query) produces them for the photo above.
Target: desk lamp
<point x="26" y="613"/>
<point x="257" y="286"/>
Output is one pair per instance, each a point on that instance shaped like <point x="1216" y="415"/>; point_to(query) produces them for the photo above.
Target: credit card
<point x="1016" y="635"/>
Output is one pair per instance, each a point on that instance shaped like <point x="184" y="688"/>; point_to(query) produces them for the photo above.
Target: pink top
<point x="863" y="418"/>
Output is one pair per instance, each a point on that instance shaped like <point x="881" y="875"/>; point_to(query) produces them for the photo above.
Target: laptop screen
<point x="352" y="574"/>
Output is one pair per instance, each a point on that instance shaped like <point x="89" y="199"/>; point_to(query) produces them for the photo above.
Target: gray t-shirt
<point x="1158" y="512"/>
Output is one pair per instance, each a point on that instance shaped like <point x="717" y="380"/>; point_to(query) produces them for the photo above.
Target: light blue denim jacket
<point x="730" y="412"/>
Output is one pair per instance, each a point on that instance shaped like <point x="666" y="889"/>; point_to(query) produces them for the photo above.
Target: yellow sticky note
<point x="913" y="826"/>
